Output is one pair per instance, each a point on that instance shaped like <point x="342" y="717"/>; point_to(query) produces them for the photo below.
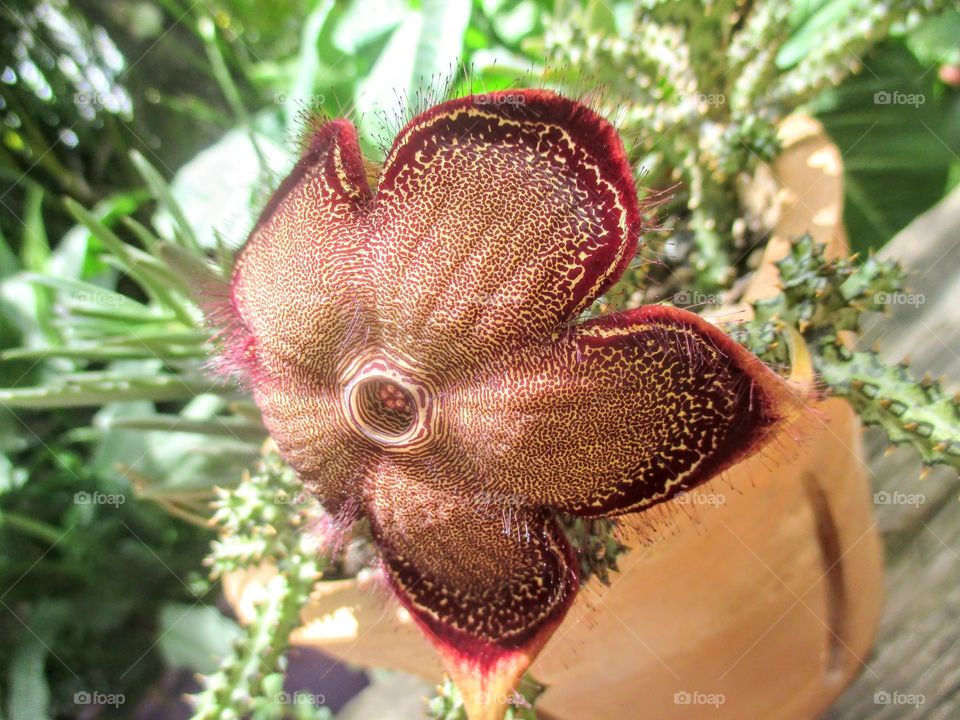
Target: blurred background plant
<point x="701" y="88"/>
<point x="140" y="138"/>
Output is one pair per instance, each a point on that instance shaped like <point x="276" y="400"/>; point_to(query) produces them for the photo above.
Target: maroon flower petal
<point x="624" y="413"/>
<point x="297" y="285"/>
<point x="498" y="218"/>
<point x="306" y="421"/>
<point x="488" y="584"/>
<point x="296" y="293"/>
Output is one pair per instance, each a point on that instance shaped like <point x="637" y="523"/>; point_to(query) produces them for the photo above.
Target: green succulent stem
<point x="262" y="519"/>
<point x="447" y="704"/>
<point x="249" y="682"/>
<point x="824" y="300"/>
<point x="911" y="412"/>
<point x="711" y="259"/>
<point x="596" y="544"/>
<point x="699" y="89"/>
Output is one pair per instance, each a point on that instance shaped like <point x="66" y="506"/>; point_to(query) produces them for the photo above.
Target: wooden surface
<point x="918" y="648"/>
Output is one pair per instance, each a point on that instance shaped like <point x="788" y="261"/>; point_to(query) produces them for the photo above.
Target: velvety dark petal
<point x="298" y="282"/>
<point x="488" y="583"/>
<point x="306" y="420"/>
<point x="624" y="413"/>
<point x="498" y="218"/>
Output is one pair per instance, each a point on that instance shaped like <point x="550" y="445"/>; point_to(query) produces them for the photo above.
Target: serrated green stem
<point x="909" y="411"/>
<point x="699" y="85"/>
<point x="823" y="298"/>
<point x="261" y="520"/>
<point x="596" y="545"/>
<point x="233" y="691"/>
<point x="712" y="258"/>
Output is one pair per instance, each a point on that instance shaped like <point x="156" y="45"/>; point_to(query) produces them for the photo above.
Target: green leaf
<point x="363" y="23"/>
<point x="161" y="191"/>
<point x="36" y="247"/>
<point x="26" y="681"/>
<point x="132" y="262"/>
<point x="228" y="427"/>
<point x="423" y="51"/>
<point x="194" y="269"/>
<point x="9" y="264"/>
<point x="308" y="62"/>
<point x="512" y="21"/>
<point x="218" y="189"/>
<point x="92" y="389"/>
<point x="196" y="637"/>
<point x="600" y="19"/>
<point x="10" y="477"/>
<point x="85" y="292"/>
<point x="812" y="19"/>
<point x="897" y="141"/>
<point x="100" y="354"/>
<point x="934" y="41"/>
<point x="440" y="45"/>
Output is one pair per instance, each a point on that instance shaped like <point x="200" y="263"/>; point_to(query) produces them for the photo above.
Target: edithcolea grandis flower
<point x="415" y="351"/>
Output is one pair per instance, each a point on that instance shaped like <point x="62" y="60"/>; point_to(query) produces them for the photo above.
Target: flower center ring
<point x="387" y="404"/>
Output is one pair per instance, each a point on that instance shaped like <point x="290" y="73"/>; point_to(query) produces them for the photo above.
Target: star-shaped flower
<point x="415" y="352"/>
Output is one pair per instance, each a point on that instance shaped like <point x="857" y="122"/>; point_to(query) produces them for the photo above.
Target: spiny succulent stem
<point x="910" y="411"/>
<point x="701" y="88"/>
<point x="261" y="520"/>
<point x="712" y="257"/>
<point x="448" y="704"/>
<point x="823" y="299"/>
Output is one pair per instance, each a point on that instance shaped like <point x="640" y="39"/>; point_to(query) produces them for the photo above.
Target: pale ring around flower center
<point x="387" y="405"/>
